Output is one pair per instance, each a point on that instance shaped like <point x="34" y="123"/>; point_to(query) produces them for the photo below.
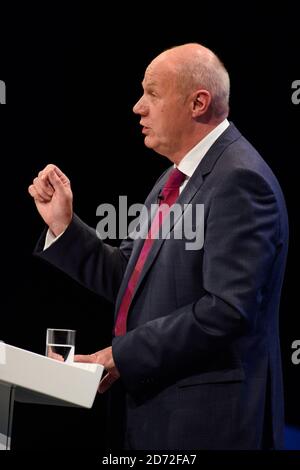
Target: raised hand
<point x="53" y="197"/>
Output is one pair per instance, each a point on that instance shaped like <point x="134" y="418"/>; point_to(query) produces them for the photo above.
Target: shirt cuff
<point x="51" y="238"/>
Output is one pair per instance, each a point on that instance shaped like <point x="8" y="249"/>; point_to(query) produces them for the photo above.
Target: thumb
<point x="56" y="180"/>
<point x="61" y="175"/>
<point x="106" y="382"/>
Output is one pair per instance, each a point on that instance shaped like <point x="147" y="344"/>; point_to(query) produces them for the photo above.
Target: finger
<point x="85" y="358"/>
<point x="57" y="357"/>
<point x="106" y="382"/>
<point x="43" y="177"/>
<point x="32" y="191"/>
<point x="48" y="168"/>
<point x="41" y="189"/>
<point x="51" y="167"/>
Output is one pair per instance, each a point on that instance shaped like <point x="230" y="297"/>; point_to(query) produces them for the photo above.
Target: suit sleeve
<point x="87" y="259"/>
<point x="240" y="247"/>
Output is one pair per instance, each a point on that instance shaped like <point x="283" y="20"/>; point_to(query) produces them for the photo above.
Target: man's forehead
<point x="151" y="75"/>
<point x="156" y="74"/>
<point x="149" y="81"/>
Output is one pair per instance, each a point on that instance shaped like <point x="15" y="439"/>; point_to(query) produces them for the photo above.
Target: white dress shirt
<point x="192" y="159"/>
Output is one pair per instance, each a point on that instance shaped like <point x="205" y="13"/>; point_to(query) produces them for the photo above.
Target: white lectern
<point x="31" y="378"/>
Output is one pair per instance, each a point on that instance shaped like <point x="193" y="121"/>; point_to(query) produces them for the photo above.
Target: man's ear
<point x="201" y="102"/>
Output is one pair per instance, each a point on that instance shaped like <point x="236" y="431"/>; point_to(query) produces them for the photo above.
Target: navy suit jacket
<point x="200" y="365"/>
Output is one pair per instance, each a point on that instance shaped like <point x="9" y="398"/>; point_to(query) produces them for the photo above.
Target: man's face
<point x="164" y="113"/>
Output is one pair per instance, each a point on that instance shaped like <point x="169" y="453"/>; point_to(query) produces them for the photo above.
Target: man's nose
<point x="140" y="107"/>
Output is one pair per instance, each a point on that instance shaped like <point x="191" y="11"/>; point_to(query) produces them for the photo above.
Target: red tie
<point x="168" y="196"/>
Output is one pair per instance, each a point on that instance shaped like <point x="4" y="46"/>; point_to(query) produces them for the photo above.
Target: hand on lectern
<point x="105" y="358"/>
<point x="53" y="197"/>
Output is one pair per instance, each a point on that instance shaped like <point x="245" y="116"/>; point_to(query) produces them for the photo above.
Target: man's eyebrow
<point x="149" y="84"/>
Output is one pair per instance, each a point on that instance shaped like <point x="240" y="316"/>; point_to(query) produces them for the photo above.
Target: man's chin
<point x="149" y="142"/>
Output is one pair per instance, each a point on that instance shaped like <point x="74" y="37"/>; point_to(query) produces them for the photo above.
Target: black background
<point x="73" y="74"/>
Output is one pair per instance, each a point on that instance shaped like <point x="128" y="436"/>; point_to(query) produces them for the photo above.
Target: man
<point x="196" y="353"/>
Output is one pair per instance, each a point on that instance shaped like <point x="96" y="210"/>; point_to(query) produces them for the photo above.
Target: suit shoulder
<point x="240" y="160"/>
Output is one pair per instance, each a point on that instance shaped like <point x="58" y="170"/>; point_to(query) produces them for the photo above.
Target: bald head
<point x="185" y="96"/>
<point x="195" y="66"/>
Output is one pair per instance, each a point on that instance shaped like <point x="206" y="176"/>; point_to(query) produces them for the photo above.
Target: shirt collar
<point x="192" y="159"/>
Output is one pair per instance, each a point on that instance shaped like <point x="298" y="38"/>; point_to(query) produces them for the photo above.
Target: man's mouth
<point x="145" y="129"/>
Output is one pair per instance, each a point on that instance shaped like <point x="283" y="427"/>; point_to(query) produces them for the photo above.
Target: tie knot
<point x="175" y="179"/>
